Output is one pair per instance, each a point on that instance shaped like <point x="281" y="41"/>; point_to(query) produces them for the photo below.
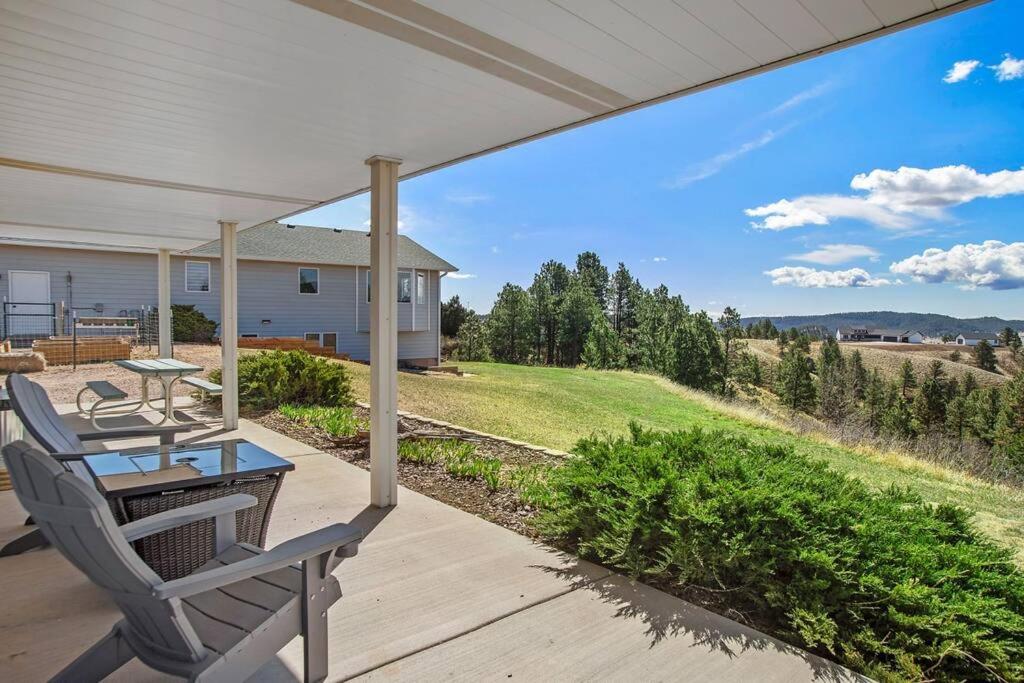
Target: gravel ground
<point x="63" y="384"/>
<point x="471" y="495"/>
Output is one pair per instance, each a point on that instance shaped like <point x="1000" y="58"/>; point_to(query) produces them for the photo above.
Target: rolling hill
<point x="929" y="324"/>
<point x="888" y="358"/>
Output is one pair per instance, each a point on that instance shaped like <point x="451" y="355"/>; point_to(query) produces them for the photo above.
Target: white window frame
<point x="398" y="288"/>
<point x="209" y="278"/>
<point x="298" y="280"/>
<point x="421" y="291"/>
<point x="320" y="338"/>
<point x="369" y="279"/>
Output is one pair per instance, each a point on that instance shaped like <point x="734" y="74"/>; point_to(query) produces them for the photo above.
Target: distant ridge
<point x="929" y="324"/>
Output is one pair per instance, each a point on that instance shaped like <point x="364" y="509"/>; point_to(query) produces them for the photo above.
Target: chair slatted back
<point x="78" y="522"/>
<point x="36" y="412"/>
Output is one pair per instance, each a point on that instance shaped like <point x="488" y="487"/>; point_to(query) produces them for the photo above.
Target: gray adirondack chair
<point x="40" y="419"/>
<point x="221" y="623"/>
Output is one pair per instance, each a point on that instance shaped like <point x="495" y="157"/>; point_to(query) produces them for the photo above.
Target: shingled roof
<point x="310" y="244"/>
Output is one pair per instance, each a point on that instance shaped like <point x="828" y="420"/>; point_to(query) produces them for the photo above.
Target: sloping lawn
<point x="555" y="407"/>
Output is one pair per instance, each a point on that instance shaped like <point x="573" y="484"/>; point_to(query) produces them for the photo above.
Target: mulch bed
<point x="501" y="507"/>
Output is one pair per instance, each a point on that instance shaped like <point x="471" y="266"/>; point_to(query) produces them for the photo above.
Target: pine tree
<point x="472" y="341"/>
<point x="833" y="399"/>
<point x="542" y="303"/>
<point x="698" y="353"/>
<point x="508" y="327"/>
<point x="985" y="356"/>
<point x="957" y="415"/>
<point x="732" y="341"/>
<point x="1007" y="336"/>
<point x="983" y="408"/>
<point x="874" y="405"/>
<point x="603" y="349"/>
<point x="1009" y="431"/>
<point x="897" y="420"/>
<point x="908" y="380"/>
<point x="929" y="406"/>
<point x="623" y="299"/>
<point x="594" y="276"/>
<point x="795" y="384"/>
<point x="857" y="377"/>
<point x="575" y="314"/>
<point x="555" y="277"/>
<point x="453" y="314"/>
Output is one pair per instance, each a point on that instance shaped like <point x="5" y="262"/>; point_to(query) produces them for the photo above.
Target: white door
<point x="28" y="295"/>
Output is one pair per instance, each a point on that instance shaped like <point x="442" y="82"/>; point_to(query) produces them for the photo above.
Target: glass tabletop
<point x="156" y="468"/>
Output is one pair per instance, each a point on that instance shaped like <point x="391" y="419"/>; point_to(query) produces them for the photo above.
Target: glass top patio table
<point x="154" y="469"/>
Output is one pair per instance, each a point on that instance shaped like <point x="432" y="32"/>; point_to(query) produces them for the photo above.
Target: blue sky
<point x="667" y="189"/>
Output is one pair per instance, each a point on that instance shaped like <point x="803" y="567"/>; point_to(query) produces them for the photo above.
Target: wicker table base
<point x="178" y="552"/>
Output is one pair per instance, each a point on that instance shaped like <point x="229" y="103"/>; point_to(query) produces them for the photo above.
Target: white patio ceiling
<point x="143" y="122"/>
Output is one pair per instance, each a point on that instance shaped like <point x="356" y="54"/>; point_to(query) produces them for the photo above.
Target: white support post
<point x="229" y="322"/>
<point x="383" y="331"/>
<point x="163" y="276"/>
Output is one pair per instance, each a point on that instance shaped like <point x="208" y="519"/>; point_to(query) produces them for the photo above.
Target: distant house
<point x="975" y="338"/>
<point x="865" y="334"/>
<point x="294" y="281"/>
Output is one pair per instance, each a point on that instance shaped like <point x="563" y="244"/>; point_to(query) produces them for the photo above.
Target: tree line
<point x="607" y="320"/>
<point x="984" y="424"/>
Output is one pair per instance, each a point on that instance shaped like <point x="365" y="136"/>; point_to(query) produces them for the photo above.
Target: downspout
<point x="441" y="274"/>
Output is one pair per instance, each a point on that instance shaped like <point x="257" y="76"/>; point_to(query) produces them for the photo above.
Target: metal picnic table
<point x="168" y="371"/>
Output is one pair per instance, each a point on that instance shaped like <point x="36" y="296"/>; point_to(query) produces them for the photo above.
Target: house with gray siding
<point x="293" y="281"/>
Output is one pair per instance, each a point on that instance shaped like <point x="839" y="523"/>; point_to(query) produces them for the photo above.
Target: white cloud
<point x="467" y="198"/>
<point x="800" y="276"/>
<point x="1009" y="69"/>
<point x="894" y="199"/>
<point x="461" y="276"/>
<point x="833" y="254"/>
<point x="991" y="264"/>
<point x="660" y="259"/>
<point x="495" y="250"/>
<point x="961" y="70"/>
<point x="709" y="167"/>
<point x="811" y="93"/>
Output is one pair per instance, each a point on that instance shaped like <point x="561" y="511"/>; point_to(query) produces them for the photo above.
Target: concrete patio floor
<point x="434" y="593"/>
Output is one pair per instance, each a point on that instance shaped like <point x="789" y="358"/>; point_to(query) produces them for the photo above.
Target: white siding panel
<point x="267" y="291"/>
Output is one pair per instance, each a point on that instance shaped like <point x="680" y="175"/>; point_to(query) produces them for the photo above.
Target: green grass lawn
<point x="555" y="407"/>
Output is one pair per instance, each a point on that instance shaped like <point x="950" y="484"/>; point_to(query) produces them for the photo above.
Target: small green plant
<point x="420" y="451"/>
<point x="460" y="460"/>
<point x="490" y="472"/>
<point x="336" y="421"/>
<point x="273" y="378"/>
<point x="529" y="482"/>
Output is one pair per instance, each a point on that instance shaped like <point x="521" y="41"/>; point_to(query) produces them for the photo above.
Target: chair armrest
<point x="162" y="521"/>
<point x="72" y="455"/>
<point x="135" y="432"/>
<point x="336" y="537"/>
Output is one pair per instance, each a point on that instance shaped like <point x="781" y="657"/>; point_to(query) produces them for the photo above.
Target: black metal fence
<point x="26" y="322"/>
<point x="70" y="337"/>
